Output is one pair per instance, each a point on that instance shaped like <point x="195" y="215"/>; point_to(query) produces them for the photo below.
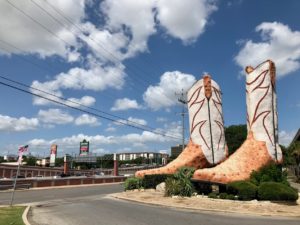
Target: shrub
<point x="133" y="183"/>
<point x="268" y="173"/>
<point x="151" y="181"/>
<point x="180" y="183"/>
<point x="184" y="173"/>
<point x="173" y="187"/>
<point x="230" y="197"/>
<point x="202" y="188"/>
<point x="223" y="196"/>
<point x="276" y="192"/>
<point x="212" y="195"/>
<point x="244" y="189"/>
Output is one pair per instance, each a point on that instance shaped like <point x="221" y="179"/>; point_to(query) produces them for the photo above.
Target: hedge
<point x="268" y="173"/>
<point x="276" y="192"/>
<point x="133" y="183"/>
<point x="151" y="181"/>
<point x="243" y="189"/>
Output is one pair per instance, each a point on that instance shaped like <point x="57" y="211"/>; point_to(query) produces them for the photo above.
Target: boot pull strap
<point x="249" y="69"/>
<point x="207" y="86"/>
<point x="272" y="73"/>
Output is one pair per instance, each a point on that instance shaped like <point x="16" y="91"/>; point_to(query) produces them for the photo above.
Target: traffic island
<point x="201" y="203"/>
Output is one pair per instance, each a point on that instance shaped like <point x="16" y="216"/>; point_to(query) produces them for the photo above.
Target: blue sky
<point x="128" y="58"/>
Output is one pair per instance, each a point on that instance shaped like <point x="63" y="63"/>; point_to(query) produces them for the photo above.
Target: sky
<point x="124" y="60"/>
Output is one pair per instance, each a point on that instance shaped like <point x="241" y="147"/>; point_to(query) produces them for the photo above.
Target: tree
<point x="294" y="151"/>
<point x="235" y="136"/>
<point x="31" y="160"/>
<point x="59" y="162"/>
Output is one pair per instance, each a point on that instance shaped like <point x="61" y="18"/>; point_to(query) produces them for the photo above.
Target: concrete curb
<point x="62" y="187"/>
<point x="24" y="216"/>
<point x="217" y="211"/>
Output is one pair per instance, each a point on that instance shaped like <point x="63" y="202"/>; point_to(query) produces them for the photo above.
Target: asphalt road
<point x="106" y="211"/>
<point x="29" y="196"/>
<point x="90" y="205"/>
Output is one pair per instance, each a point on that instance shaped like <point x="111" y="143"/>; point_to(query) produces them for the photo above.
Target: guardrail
<point x="18" y="186"/>
<point x="37" y="183"/>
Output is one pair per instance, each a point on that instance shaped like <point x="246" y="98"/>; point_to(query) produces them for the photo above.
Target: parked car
<point x="19" y="176"/>
<point x="65" y="175"/>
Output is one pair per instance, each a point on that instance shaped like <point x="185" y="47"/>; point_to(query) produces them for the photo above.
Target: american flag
<point x="22" y="149"/>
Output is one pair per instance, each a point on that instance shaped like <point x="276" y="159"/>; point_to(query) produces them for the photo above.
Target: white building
<point x="153" y="156"/>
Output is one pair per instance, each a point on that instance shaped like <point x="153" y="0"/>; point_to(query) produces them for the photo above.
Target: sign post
<point x="20" y="152"/>
<point x="84" y="147"/>
<point x="53" y="153"/>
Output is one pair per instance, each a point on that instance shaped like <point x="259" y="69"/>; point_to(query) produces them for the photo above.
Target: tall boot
<point x="207" y="145"/>
<point x="261" y="146"/>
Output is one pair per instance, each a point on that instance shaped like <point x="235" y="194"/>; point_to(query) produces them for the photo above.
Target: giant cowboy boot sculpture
<point x="207" y="145"/>
<point x="261" y="146"/>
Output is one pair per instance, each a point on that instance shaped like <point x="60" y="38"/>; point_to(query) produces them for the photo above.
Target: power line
<point x="37" y="22"/>
<point x="77" y="103"/>
<point x="61" y="13"/>
<point x="85" y="111"/>
<point x="45" y="68"/>
<point x="115" y="58"/>
<point x="52" y="33"/>
<point x="44" y="27"/>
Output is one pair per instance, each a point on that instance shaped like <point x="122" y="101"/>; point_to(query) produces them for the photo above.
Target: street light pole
<point x="182" y="99"/>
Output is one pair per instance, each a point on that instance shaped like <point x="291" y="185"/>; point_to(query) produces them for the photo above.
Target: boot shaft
<point x="206" y="119"/>
<point x="261" y="100"/>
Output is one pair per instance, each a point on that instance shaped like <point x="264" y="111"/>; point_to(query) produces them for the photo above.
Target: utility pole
<point x="182" y="99"/>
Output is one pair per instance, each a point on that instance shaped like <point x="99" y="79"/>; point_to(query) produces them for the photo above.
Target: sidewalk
<point x="203" y="203"/>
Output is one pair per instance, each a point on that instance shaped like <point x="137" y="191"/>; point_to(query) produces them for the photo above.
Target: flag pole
<point x="15" y="182"/>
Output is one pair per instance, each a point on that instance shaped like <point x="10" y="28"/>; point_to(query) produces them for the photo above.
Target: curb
<point x="24" y="215"/>
<point x="217" y="211"/>
<point x="61" y="187"/>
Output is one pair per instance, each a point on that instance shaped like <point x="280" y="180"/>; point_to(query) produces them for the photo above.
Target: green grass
<point x="11" y="215"/>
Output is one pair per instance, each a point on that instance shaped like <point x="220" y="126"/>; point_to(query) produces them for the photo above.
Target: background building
<point x="150" y="157"/>
<point x="176" y="150"/>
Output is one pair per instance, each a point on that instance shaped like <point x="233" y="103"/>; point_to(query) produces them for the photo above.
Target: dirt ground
<point x="203" y="203"/>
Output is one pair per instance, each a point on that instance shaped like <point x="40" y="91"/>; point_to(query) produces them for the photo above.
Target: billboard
<point x="84" y="147"/>
<point x="53" y="153"/>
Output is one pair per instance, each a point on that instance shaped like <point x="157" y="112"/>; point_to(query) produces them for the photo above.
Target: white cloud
<point x="137" y="121"/>
<point x="285" y="137"/>
<point x="109" y="144"/>
<point x="161" y="119"/>
<point x="279" y="43"/>
<point x="86" y="119"/>
<point x="125" y="104"/>
<point x="20" y="31"/>
<point x="55" y="116"/>
<point x="135" y="17"/>
<point x="9" y="124"/>
<point x="163" y="94"/>
<point x="132" y="138"/>
<point x="131" y="121"/>
<point x="100" y="151"/>
<point x="96" y="78"/>
<point x="110" y="129"/>
<point x="36" y="142"/>
<point x="185" y="20"/>
<point x="85" y="100"/>
<point x="106" y="45"/>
